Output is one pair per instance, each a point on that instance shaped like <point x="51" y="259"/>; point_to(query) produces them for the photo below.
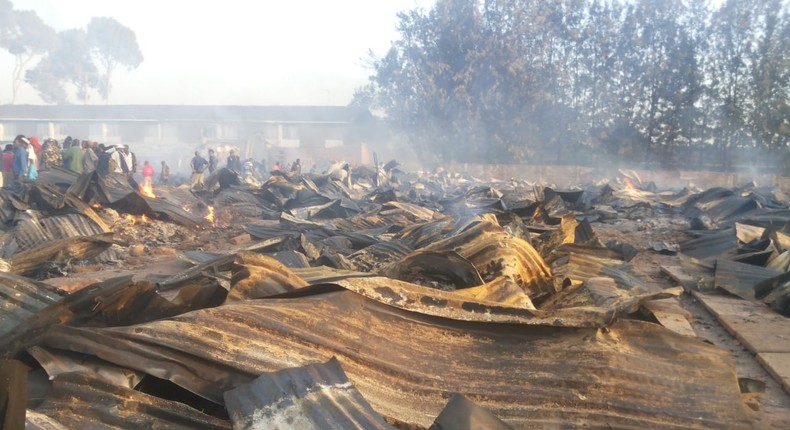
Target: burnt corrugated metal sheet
<point x="30" y="233"/>
<point x="21" y="298"/>
<point x="257" y="276"/>
<point x="60" y="251"/>
<point x="630" y="375"/>
<point x="740" y="278"/>
<point x="582" y="267"/>
<point x="495" y="253"/>
<point x="104" y="405"/>
<point x="463" y="414"/>
<point x="312" y="397"/>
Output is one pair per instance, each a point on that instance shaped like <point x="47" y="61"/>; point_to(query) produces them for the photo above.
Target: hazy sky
<point x="289" y="52"/>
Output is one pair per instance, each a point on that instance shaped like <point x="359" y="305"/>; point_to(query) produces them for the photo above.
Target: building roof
<point x="179" y="113"/>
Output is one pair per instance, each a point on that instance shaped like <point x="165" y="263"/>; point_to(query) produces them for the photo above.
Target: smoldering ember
<point x="374" y="297"/>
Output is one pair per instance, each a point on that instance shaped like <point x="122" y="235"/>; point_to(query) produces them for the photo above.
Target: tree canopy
<point x="112" y="44"/>
<point x="73" y="62"/>
<point x="518" y="80"/>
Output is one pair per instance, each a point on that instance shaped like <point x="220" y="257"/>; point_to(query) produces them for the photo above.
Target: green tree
<point x="113" y="45"/>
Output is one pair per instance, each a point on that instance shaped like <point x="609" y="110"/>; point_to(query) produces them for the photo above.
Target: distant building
<point x="256" y="131"/>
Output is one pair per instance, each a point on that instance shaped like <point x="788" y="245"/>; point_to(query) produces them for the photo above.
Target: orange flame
<point x="147" y="190"/>
<point x="132" y="220"/>
<point x="96" y="205"/>
<point x="210" y="215"/>
<point x="629" y="184"/>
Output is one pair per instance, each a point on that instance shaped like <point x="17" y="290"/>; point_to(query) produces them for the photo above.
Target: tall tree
<point x="113" y="45"/>
<point x="27" y="39"/>
<point x="68" y="63"/>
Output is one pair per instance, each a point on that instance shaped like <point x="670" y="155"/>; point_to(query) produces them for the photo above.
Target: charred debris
<point x="389" y="299"/>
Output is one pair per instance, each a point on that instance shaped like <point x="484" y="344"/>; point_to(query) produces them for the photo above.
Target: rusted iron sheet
<point x="463" y="414"/>
<point x="21" y="298"/>
<point x="256" y="276"/>
<point x="323" y="274"/>
<point x="312" y="397"/>
<point x="117" y="301"/>
<point x="495" y="253"/>
<point x="104" y="405"/>
<point x="442" y="269"/>
<point x="501" y="290"/>
<point x="31" y="233"/>
<point x="59" y="362"/>
<point x="60" y="251"/>
<point x="631" y="375"/>
<point x="740" y="278"/>
<point x="471" y="307"/>
<point x="13" y="393"/>
<point x="581" y="267"/>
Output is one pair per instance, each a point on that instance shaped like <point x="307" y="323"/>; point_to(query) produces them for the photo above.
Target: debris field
<point x="391" y="300"/>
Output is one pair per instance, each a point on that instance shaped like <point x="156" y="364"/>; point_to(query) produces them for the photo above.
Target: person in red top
<point x="8" y="166"/>
<point x="148" y="173"/>
<point x="36" y="146"/>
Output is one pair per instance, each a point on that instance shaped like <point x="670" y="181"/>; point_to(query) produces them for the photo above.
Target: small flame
<point x="210" y="215"/>
<point x="132" y="220"/>
<point x="96" y="205"/>
<point x="629" y="184"/>
<point x="147" y="190"/>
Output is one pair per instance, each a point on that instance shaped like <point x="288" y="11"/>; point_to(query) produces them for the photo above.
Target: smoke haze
<point x="301" y="52"/>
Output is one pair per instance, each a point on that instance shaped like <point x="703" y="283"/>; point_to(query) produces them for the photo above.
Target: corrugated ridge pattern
<point x="315" y="396"/>
<point x="632" y="375"/>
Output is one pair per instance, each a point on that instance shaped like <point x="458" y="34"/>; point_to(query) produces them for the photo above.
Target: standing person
<point x="126" y="160"/>
<point x="114" y="164"/>
<point x="164" y="175"/>
<point x="8" y="166"/>
<point x="296" y="167"/>
<point x="131" y="159"/>
<point x="103" y="163"/>
<point x="198" y="165"/>
<point x="234" y="162"/>
<point x="32" y="162"/>
<point x="89" y="156"/>
<point x="20" y="160"/>
<point x="72" y="157"/>
<point x="212" y="161"/>
<point x="148" y="174"/>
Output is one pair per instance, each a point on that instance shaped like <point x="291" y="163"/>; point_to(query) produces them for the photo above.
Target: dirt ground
<point x="770" y="409"/>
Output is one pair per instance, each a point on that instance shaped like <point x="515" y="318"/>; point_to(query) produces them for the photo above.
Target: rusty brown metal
<point x="256" y="276"/>
<point x="60" y="251"/>
<point x="630" y="375"/>
<point x="84" y="400"/>
<point x="495" y="253"/>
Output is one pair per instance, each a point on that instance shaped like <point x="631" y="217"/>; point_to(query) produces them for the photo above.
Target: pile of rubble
<point x="390" y="299"/>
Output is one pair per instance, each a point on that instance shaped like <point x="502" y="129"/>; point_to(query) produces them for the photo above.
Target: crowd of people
<point x="251" y="169"/>
<point x="23" y="159"/>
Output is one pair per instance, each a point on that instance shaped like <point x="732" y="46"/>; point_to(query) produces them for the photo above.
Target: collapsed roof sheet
<point x="21" y="298"/>
<point x="315" y="396"/>
<point x="632" y="374"/>
<point x="105" y="405"/>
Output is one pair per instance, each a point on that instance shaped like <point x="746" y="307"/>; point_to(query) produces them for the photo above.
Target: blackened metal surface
<point x="315" y="396"/>
<point x="83" y="400"/>
<point x="21" y="298"/>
